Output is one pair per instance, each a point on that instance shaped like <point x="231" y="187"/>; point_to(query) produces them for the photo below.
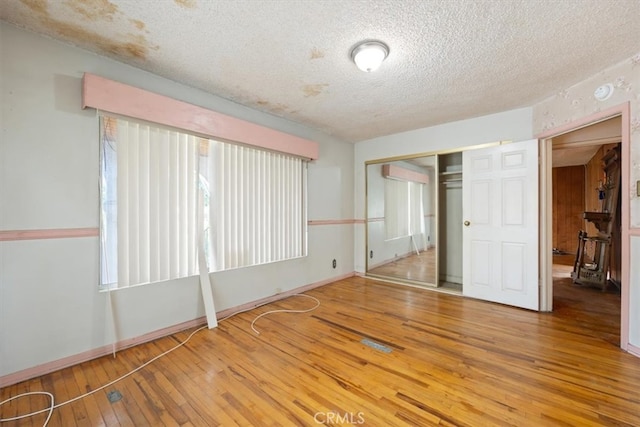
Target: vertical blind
<point x="396" y="205"/>
<point x="256" y="206"/>
<point x="404" y="211"/>
<point x="156" y="224"/>
<point x="253" y="208"/>
<point x="416" y="208"/>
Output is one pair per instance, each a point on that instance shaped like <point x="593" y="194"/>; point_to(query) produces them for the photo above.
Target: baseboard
<point x="248" y="306"/>
<point x="65" y="362"/>
<point x="633" y="350"/>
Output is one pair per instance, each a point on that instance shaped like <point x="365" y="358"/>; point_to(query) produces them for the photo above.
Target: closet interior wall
<point x="450" y="218"/>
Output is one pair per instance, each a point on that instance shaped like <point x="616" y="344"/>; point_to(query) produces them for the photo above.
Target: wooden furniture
<point x="595" y="271"/>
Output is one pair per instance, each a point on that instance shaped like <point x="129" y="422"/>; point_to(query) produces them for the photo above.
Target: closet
<point x="450" y="224"/>
<point x="464" y="222"/>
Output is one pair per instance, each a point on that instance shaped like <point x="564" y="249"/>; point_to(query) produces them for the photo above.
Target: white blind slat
<point x="122" y="204"/>
<point x="155" y="212"/>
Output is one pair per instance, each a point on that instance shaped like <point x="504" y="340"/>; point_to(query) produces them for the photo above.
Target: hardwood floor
<point x="416" y="268"/>
<point x="439" y="360"/>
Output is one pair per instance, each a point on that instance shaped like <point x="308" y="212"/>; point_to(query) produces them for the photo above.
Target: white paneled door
<point x="500" y="230"/>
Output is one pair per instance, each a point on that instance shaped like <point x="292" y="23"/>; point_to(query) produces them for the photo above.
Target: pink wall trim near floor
<point x="230" y="311"/>
<point x="115" y="97"/>
<point x="633" y="350"/>
<point x="61" y="233"/>
<point x="624" y="111"/>
<point x="65" y="362"/>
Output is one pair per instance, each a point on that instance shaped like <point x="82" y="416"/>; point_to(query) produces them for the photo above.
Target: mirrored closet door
<point x="414" y="220"/>
<point x="402" y="220"/>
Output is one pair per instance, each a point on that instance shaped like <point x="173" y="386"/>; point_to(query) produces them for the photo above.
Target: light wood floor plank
<point x="94" y="415"/>
<point x="96" y="377"/>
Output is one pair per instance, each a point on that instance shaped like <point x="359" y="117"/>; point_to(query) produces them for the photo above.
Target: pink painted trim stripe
<point x="118" y="98"/>
<point x="634" y="231"/>
<point x="62" y="233"/>
<point x="396" y="172"/>
<point x="65" y="362"/>
<point x="378" y="219"/>
<point x="330" y="221"/>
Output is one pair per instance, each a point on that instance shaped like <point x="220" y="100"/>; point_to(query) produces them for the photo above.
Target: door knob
<point x="467" y="223"/>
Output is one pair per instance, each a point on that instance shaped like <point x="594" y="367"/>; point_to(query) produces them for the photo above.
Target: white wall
<point x="512" y="125"/>
<point x="577" y="102"/>
<point x="50" y="307"/>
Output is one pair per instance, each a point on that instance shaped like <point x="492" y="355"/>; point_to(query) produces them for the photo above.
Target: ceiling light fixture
<point x="368" y="56"/>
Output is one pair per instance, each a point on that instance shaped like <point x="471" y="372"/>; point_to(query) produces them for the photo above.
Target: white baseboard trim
<point x="65" y="362"/>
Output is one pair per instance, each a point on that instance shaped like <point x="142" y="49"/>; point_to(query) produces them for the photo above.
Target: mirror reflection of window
<point x="401" y="220"/>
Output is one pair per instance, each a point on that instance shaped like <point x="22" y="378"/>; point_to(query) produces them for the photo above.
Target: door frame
<point x="546" y="212"/>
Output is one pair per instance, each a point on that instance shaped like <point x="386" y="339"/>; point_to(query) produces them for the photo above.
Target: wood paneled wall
<point x="594" y="175"/>
<point x="568" y="206"/>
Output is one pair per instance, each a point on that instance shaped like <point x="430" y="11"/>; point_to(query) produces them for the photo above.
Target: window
<point x="161" y="189"/>
<point x="256" y="205"/>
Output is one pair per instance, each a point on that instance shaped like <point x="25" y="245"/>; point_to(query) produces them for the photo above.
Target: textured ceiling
<point x="449" y="59"/>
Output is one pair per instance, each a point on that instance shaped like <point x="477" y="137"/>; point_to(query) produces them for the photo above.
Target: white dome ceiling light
<point x="368" y="56"/>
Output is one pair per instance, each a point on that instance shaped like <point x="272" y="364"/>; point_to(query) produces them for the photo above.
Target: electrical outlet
<point x="371" y="254"/>
<point x="638" y="188"/>
<point x="334" y="263"/>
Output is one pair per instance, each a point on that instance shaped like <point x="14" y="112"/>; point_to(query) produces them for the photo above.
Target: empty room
<point x="299" y="213"/>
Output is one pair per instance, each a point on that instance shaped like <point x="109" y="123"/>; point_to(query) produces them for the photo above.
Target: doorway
<point x="585" y="139"/>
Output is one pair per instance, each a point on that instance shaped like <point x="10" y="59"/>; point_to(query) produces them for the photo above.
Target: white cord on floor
<point x="54" y="406"/>
<point x="50" y="408"/>
<point x="286" y="311"/>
